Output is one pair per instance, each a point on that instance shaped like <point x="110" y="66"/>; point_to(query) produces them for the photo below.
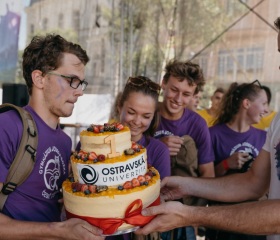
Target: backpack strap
<point x="24" y="160"/>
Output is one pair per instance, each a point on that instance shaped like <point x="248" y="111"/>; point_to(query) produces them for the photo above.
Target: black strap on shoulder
<point x="25" y="157"/>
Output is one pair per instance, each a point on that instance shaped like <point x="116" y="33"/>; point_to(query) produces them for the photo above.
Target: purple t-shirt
<point x="193" y="125"/>
<point x="226" y="141"/>
<point x="37" y="198"/>
<point x="158" y="155"/>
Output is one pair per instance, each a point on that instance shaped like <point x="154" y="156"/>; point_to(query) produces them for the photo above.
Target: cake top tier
<point x="106" y="128"/>
<point x="110" y="140"/>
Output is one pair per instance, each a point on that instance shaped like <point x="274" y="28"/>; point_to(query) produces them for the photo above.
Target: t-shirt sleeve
<point x="203" y="143"/>
<point x="159" y="157"/>
<point x="271" y="129"/>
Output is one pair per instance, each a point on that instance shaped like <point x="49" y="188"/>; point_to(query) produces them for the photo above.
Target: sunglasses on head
<point x="238" y="92"/>
<point x="144" y="81"/>
<point x="256" y="82"/>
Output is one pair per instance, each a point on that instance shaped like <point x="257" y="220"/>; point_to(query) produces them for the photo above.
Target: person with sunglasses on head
<point x="254" y="217"/>
<point x="138" y="109"/>
<point x="236" y="143"/>
<point x="243" y="105"/>
<point x="54" y="71"/>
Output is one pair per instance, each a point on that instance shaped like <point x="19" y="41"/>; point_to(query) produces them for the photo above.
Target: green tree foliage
<point x="159" y="27"/>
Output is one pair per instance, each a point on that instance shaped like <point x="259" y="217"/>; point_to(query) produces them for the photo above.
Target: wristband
<point x="225" y="164"/>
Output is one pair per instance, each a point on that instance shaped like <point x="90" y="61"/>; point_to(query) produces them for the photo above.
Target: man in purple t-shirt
<point x="53" y="69"/>
<point x="179" y="84"/>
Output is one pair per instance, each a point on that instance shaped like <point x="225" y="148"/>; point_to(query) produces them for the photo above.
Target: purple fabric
<point x="126" y="236"/>
<point x="37" y="198"/>
<point x="158" y="155"/>
<point x="226" y="141"/>
<point x="193" y="125"/>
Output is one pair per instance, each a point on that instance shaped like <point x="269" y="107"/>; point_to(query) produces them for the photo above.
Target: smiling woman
<point x="138" y="106"/>
<point x="138" y="109"/>
<point x="242" y="105"/>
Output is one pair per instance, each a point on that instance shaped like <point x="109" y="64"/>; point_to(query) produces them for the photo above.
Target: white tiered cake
<point x="111" y="181"/>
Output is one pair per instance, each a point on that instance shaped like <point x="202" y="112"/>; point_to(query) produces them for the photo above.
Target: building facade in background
<point x="9" y="32"/>
<point x="242" y="50"/>
<point x="78" y="21"/>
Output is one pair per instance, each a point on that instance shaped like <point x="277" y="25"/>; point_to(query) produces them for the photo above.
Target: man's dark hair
<point x="185" y="71"/>
<point x="198" y="89"/>
<point x="220" y="90"/>
<point x="45" y="53"/>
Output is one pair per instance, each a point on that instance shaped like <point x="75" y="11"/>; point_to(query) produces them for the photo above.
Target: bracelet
<point x="225" y="164"/>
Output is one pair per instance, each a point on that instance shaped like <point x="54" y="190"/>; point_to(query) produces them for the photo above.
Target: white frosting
<point x="100" y="144"/>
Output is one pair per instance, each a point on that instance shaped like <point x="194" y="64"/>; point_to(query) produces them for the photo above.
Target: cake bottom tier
<point x="112" y="213"/>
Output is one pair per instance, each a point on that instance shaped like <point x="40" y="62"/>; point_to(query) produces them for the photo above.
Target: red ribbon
<point x="110" y="225"/>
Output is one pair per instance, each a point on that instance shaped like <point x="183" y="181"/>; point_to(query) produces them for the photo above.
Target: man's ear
<point x="37" y="78"/>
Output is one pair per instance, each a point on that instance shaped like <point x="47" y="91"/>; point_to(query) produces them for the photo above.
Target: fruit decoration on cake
<point x="111" y="180"/>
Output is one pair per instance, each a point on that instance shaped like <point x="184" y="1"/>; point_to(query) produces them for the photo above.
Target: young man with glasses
<point x="257" y="217"/>
<point x="53" y="69"/>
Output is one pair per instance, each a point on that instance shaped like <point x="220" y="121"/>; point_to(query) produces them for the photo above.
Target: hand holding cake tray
<point x="111" y="181"/>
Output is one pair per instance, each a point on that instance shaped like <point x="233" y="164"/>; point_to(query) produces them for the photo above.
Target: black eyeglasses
<point x="141" y="81"/>
<point x="75" y="82"/>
